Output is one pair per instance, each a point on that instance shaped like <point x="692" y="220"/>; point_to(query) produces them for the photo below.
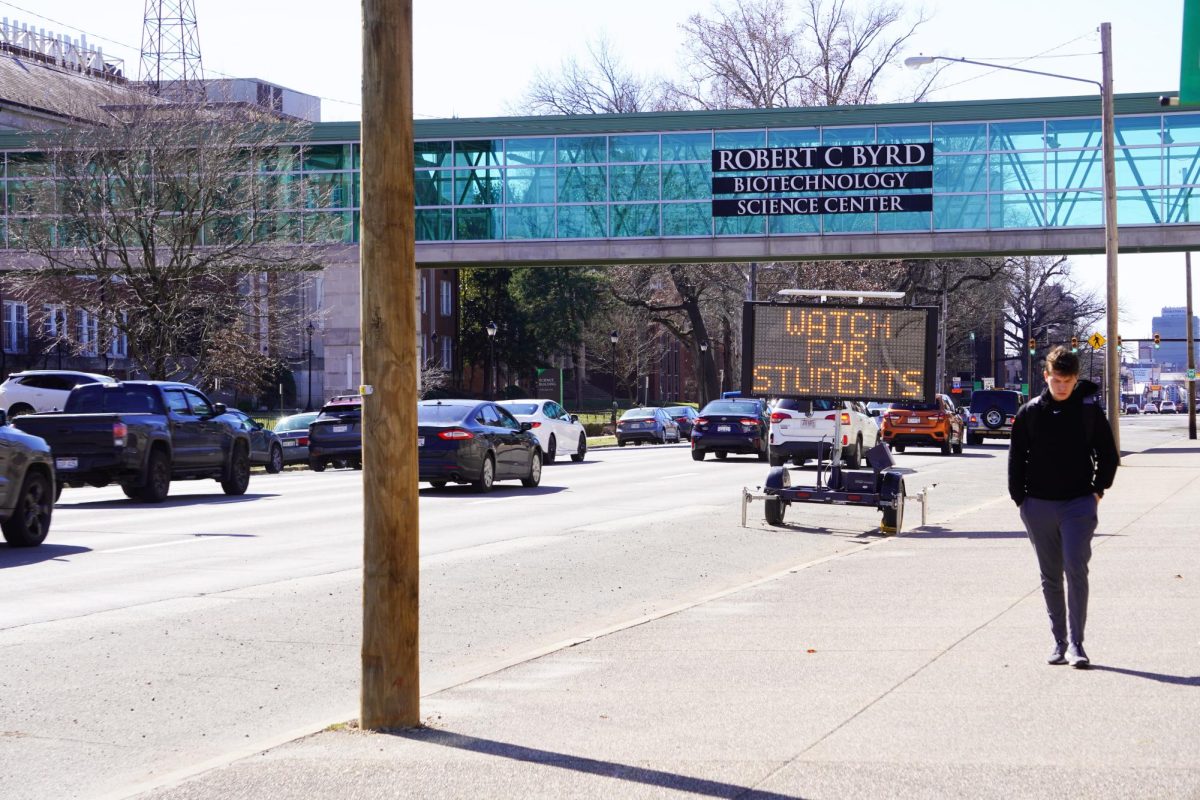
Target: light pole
<point x="309" y="330"/>
<point x="491" y="384"/>
<point x="973" y="357"/>
<point x="612" y="337"/>
<point x="1112" y="364"/>
<point x="704" y="398"/>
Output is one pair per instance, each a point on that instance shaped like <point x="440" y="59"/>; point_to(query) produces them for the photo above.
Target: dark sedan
<point x="685" y="418"/>
<point x="475" y="442"/>
<point x="738" y="425"/>
<point x="293" y="436"/>
<point x="639" y="425"/>
<point x="335" y="436"/>
<point x="265" y="448"/>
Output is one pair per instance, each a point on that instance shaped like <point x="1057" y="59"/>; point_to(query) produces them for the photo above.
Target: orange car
<point x="921" y="424"/>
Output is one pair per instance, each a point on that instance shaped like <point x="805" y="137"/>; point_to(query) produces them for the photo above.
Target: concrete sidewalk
<point x="908" y="667"/>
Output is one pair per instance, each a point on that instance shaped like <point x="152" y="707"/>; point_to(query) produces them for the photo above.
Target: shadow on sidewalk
<point x="1177" y="680"/>
<point x="625" y="772"/>
<point x="938" y="532"/>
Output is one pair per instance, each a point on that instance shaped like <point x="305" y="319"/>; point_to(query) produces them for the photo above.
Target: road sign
<point x="1096" y="341"/>
<point x="1191" y="374"/>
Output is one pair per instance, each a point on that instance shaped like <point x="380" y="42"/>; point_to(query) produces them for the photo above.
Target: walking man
<point x="1061" y="460"/>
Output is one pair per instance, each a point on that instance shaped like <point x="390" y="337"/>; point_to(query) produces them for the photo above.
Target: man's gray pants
<point x="1061" y="533"/>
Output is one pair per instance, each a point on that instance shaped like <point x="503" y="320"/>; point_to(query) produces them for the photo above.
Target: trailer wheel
<point x="893" y="518"/>
<point x="775" y="510"/>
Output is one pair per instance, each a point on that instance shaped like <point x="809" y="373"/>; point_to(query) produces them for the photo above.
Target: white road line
<point x="680" y="475"/>
<point x="160" y="544"/>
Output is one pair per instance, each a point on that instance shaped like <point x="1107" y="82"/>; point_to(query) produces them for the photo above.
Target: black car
<point x="265" y="447"/>
<point x="475" y="442"/>
<point x="685" y="418"/>
<point x="639" y="425"/>
<point x="735" y="425"/>
<point x="335" y="436"/>
<point x="992" y="414"/>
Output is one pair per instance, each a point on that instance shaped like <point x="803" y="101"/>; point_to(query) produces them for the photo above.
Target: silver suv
<point x="26" y="486"/>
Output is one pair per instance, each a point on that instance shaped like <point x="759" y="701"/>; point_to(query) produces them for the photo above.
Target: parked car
<point x="733" y="425"/>
<point x="1181" y="407"/>
<point x="877" y="410"/>
<point x="265" y="447"/>
<point x="475" y="442"/>
<point x="921" y="424"/>
<point x="804" y="428"/>
<point x="685" y="418"/>
<point x="335" y="436"/>
<point x="557" y="431"/>
<point x="43" y="389"/>
<point x="1167" y="407"/>
<point x="143" y="435"/>
<point x="1149" y="408"/>
<point x="639" y="425"/>
<point x="992" y="414"/>
<point x="1133" y="408"/>
<point x="27" y="490"/>
<point x="293" y="436"/>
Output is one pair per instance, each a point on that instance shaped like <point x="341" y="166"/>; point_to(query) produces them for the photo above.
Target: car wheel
<point x="697" y="454"/>
<point x="438" y="484"/>
<point x="238" y="479"/>
<point x="316" y="465"/>
<point x="158" y="479"/>
<point x="487" y="476"/>
<point x="30" y="520"/>
<point x="776" y="460"/>
<point x="974" y="439"/>
<point x="957" y="447"/>
<point x="946" y="447"/>
<point x="275" y="462"/>
<point x="854" y="458"/>
<point x="581" y="450"/>
<point x="764" y="453"/>
<point x="535" y="471"/>
<point x="356" y="463"/>
<point x="721" y="455"/>
<point x="893" y="518"/>
<point x="775" y="510"/>
<point x="899" y="448"/>
<point x="620" y="443"/>
<point x="551" y="449"/>
<point x="18" y="409"/>
<point x="58" y="487"/>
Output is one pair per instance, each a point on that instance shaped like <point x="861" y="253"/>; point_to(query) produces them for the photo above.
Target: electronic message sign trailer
<point x="839" y="352"/>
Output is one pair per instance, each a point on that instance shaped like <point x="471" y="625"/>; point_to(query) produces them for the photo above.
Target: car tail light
<point x="681" y="419"/>
<point x="1010" y="419"/>
<point x="779" y="416"/>
<point x="700" y="421"/>
<point x="939" y="417"/>
<point x="749" y="423"/>
<point x="120" y="434"/>
<point x="535" y="424"/>
<point x="302" y="441"/>
<point x="845" y="417"/>
<point x="455" y="433"/>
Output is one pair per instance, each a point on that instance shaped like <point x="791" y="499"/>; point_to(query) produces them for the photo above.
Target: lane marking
<point x="680" y="475"/>
<point x="160" y="544"/>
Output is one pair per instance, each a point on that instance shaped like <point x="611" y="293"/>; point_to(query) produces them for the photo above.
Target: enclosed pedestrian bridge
<point x="913" y="180"/>
<point x="922" y="179"/>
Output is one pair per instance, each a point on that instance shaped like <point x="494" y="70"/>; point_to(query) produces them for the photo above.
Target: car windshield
<point x="913" y="405"/>
<point x="440" y="413"/>
<point x="341" y="412"/>
<point x="731" y="407"/>
<point x="299" y="422"/>
<point x="521" y="408"/>
<point x="677" y="411"/>
<point x="1005" y="401"/>
<point x="101" y="398"/>
<point x="638" y="413"/>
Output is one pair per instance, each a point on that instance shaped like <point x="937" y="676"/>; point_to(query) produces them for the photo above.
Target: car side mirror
<point x="3" y="418"/>
<point x="218" y="409"/>
<point x="526" y="426"/>
<point x="574" y="418"/>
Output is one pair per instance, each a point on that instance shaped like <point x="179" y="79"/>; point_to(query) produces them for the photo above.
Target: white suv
<point x="42" y="389"/>
<point x="804" y="429"/>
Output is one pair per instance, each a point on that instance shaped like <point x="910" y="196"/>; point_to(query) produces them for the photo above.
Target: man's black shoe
<point x="1077" y="658"/>
<point x="1058" y="654"/>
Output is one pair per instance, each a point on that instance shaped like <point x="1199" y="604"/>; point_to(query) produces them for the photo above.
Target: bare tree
<point x="164" y="230"/>
<point x="600" y="85"/>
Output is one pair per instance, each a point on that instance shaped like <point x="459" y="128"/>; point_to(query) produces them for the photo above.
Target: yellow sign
<point x="1096" y="341"/>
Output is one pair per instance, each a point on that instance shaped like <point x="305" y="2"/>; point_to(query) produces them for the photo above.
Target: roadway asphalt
<point x="910" y="666"/>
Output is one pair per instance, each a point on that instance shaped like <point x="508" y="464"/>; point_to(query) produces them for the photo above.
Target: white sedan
<point x="558" y="432"/>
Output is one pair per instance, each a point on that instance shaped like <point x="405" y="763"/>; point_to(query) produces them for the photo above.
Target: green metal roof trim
<point x="743" y="119"/>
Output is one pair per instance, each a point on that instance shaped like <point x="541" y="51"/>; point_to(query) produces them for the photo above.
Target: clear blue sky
<point x="475" y="57"/>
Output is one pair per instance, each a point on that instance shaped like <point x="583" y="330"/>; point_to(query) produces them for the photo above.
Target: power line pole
<point x="391" y="691"/>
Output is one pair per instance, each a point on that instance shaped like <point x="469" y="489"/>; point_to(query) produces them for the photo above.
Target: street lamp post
<point x="491" y="384"/>
<point x="1112" y="363"/>
<point x="309" y="352"/>
<point x="704" y="398"/>
<point x="973" y="357"/>
<point x="612" y="337"/>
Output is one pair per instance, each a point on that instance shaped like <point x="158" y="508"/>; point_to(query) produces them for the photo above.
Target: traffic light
<point x="1118" y="342"/>
<point x="1032" y="346"/>
<point x="1157" y="340"/>
<point x="1074" y="344"/>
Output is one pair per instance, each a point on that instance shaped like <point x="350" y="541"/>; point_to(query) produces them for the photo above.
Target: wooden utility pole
<point x="391" y="689"/>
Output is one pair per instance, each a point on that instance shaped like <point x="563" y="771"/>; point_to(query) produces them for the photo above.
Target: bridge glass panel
<point x="529" y="222"/>
<point x="687" y="219"/>
<point x="687" y="146"/>
<point x="639" y="147"/>
<point x="583" y="222"/>
<point x="582" y="184"/>
<point x="582" y="149"/>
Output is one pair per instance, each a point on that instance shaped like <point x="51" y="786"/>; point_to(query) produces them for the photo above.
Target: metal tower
<point x="171" y="65"/>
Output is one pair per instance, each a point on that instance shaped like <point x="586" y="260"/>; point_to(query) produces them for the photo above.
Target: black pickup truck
<point x="143" y="435"/>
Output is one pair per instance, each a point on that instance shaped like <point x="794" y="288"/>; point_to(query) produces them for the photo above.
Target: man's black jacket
<point x="1061" y="451"/>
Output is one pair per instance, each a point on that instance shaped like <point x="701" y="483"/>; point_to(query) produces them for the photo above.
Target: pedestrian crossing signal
<point x="1074" y="344"/>
<point x="1032" y="346"/>
<point x="1157" y="340"/>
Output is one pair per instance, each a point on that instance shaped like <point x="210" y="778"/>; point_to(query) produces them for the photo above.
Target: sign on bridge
<point x="884" y="353"/>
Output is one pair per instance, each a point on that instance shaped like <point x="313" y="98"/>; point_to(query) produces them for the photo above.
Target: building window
<point x="89" y="333"/>
<point x="446" y="307"/>
<point x="118" y="340"/>
<point x="16" y="326"/>
<point x="54" y="323"/>
<point x="447" y="353"/>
